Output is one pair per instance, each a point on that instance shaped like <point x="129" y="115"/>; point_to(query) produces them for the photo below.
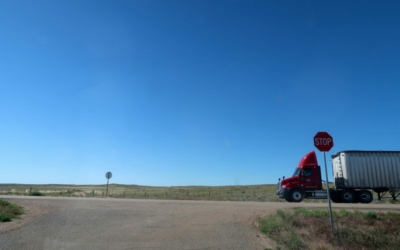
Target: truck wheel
<point x="288" y="199"/>
<point x="347" y="196"/>
<point x="365" y="196"/>
<point x="335" y="196"/>
<point x="296" y="195"/>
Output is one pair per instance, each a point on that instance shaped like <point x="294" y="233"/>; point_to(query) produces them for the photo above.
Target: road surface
<point x="96" y="223"/>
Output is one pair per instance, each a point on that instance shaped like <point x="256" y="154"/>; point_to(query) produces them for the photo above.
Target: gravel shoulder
<point x="95" y="223"/>
<point x="33" y="210"/>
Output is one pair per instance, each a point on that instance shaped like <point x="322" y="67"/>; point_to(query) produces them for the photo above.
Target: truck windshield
<point x="296" y="172"/>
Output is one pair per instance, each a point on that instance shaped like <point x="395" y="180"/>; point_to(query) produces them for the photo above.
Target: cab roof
<point x="309" y="159"/>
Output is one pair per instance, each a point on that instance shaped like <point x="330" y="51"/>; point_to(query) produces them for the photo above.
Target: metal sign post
<point x="108" y="176"/>
<point x="324" y="142"/>
<point x="329" y="194"/>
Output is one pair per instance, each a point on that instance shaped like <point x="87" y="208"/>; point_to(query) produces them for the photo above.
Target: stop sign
<point x="323" y="141"/>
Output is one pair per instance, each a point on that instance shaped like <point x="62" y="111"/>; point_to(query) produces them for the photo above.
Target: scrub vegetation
<point x="36" y="193"/>
<point x="219" y="193"/>
<point x="9" y="211"/>
<point x="310" y="229"/>
<point x="265" y="192"/>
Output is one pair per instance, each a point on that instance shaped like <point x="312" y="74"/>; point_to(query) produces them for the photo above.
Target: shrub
<point x="37" y="193"/>
<point x="370" y="215"/>
<point x="9" y="211"/>
<point x="4" y="203"/>
<point x="5" y="217"/>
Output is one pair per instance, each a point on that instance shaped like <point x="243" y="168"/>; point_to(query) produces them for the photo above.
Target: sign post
<point x="324" y="142"/>
<point x="108" y="176"/>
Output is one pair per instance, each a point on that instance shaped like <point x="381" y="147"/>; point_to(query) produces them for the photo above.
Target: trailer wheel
<point x="347" y="196"/>
<point x="365" y="196"/>
<point x="296" y="195"/>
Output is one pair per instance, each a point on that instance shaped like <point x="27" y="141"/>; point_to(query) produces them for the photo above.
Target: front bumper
<point x="283" y="193"/>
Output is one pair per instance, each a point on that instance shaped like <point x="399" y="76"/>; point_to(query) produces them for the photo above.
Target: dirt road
<point x="91" y="223"/>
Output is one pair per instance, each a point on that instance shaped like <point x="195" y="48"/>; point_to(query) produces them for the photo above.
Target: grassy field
<point x="221" y="193"/>
<point x="310" y="229"/>
<point x="218" y="193"/>
<point x="9" y="211"/>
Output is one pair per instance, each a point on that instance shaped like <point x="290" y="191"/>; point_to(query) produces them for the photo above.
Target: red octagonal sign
<point x="323" y="141"/>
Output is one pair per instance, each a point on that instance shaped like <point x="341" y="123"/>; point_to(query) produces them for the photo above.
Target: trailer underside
<point x="385" y="193"/>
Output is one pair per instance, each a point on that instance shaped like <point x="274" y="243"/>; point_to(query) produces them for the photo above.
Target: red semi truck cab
<point x="306" y="181"/>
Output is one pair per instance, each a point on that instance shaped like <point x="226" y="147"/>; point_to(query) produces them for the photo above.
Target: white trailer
<point x="376" y="170"/>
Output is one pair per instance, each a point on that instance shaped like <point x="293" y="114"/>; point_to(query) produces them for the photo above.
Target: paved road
<point x="91" y="223"/>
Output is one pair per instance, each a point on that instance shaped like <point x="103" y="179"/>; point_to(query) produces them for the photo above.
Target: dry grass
<point x="217" y="193"/>
<point x="309" y="229"/>
<point x="220" y="193"/>
<point x="9" y="211"/>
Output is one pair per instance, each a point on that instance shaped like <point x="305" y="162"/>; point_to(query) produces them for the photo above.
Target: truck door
<point x="310" y="177"/>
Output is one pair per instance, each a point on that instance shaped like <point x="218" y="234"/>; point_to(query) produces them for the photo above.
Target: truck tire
<point x="288" y="199"/>
<point x="296" y="195"/>
<point x="365" y="196"/>
<point x="335" y="196"/>
<point x="347" y="196"/>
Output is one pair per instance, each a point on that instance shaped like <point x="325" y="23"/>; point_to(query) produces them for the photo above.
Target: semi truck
<point x="355" y="174"/>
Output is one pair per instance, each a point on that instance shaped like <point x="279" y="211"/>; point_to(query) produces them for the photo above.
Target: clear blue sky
<point x="172" y="93"/>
